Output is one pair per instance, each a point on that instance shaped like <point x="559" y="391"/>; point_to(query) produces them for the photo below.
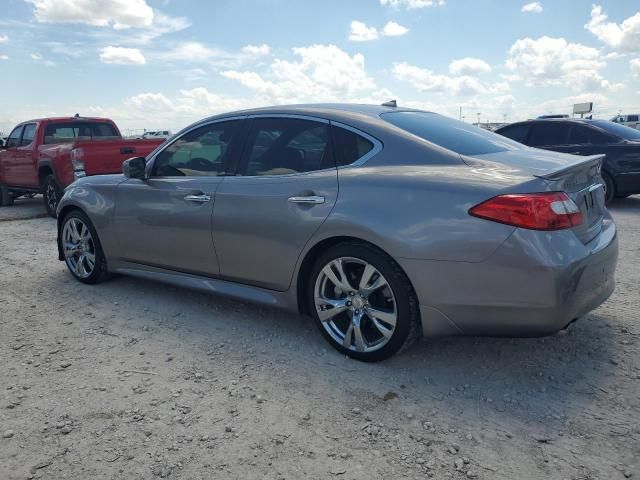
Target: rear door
<point x="165" y="221"/>
<point x="285" y="188"/>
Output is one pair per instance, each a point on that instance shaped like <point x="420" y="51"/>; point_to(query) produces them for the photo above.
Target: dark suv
<point x="620" y="144"/>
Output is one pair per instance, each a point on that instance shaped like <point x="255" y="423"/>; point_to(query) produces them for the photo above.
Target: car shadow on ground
<point x="554" y="378"/>
<point x="631" y="203"/>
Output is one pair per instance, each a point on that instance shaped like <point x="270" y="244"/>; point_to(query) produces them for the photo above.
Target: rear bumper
<point x="535" y="284"/>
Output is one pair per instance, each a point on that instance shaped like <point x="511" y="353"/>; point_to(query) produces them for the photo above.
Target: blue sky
<point x="164" y="63"/>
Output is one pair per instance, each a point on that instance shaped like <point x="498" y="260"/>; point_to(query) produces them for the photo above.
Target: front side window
<point x="451" y="134"/>
<point x="285" y="146"/>
<point x="28" y="134"/>
<point x="580" y="135"/>
<point x="349" y="146"/>
<point x="14" y="137"/>
<point x="548" y="133"/>
<point x="517" y="133"/>
<point x="200" y="152"/>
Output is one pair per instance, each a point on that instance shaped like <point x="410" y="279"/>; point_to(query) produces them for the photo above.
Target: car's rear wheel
<point x="609" y="188"/>
<point x="81" y="249"/>
<point x="363" y="302"/>
<point x="6" y="198"/>
<point x="51" y="194"/>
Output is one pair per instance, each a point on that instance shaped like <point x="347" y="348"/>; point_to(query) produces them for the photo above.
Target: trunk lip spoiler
<point x="590" y="161"/>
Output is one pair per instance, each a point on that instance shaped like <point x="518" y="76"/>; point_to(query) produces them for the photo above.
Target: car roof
<point x="66" y="119"/>
<point x="335" y="111"/>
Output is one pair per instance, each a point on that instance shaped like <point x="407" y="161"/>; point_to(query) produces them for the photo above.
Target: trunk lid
<point x="578" y="176"/>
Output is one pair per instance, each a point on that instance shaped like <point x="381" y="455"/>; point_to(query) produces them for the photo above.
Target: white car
<point x="632" y="120"/>
<point x="157" y="134"/>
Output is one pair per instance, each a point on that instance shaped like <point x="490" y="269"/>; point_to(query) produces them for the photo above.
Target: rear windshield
<point x="626" y="133"/>
<point x="72" y="131"/>
<point x="451" y="134"/>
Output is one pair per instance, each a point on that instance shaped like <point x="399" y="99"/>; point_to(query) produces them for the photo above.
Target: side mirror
<point x="135" y="168"/>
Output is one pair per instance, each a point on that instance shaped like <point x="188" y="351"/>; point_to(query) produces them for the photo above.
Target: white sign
<point x="583" y="107"/>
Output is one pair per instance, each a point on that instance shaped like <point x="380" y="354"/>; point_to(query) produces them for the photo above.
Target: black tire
<point x="407" y="329"/>
<point x="6" y="198"/>
<point x="609" y="188"/>
<point x="99" y="273"/>
<point x="52" y="194"/>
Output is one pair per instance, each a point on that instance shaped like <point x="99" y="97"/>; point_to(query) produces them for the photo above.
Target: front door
<point x="285" y="188"/>
<point x="10" y="158"/>
<point x="165" y="221"/>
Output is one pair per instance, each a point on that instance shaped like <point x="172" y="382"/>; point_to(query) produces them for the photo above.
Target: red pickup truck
<point x="46" y="155"/>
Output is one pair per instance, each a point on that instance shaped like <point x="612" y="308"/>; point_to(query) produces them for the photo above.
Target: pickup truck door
<point x="25" y="169"/>
<point x="10" y="158"/>
<point x="165" y="221"/>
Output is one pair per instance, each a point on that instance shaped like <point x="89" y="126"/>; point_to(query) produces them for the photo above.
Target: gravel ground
<point x="134" y="379"/>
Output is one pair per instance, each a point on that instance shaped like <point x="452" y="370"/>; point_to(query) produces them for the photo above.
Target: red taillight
<point x="536" y="211"/>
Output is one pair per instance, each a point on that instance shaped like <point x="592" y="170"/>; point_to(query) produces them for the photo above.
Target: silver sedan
<point x="382" y="223"/>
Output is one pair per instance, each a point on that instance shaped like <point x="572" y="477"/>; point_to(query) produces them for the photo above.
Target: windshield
<point x="70" y="131"/>
<point x="451" y="134"/>
<point x="626" y="133"/>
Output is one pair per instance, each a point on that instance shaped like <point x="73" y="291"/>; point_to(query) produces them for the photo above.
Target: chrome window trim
<point x="377" y="145"/>
<point x="290" y="115"/>
<point x="182" y="133"/>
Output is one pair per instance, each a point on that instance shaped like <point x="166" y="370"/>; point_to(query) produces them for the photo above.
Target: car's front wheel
<point x="81" y="248"/>
<point x="363" y="302"/>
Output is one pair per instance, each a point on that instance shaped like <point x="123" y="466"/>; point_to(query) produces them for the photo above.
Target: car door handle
<point x="201" y="198"/>
<point x="309" y="200"/>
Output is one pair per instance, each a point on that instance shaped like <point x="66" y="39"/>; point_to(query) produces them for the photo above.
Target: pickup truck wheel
<point x="6" y="198"/>
<point x="51" y="195"/>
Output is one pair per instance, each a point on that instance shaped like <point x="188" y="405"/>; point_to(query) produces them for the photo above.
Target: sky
<point x="165" y="63"/>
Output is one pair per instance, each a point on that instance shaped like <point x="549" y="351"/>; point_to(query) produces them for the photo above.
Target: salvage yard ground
<point x="134" y="379"/>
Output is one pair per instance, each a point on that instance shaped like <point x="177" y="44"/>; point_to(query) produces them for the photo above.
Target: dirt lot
<point x="133" y="379"/>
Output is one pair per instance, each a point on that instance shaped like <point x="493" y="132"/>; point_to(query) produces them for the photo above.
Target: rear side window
<point x="285" y="146"/>
<point x="28" y="134"/>
<point x="349" y="146"/>
<point x="451" y="134"/>
<point x="548" y="133"/>
<point x="584" y="135"/>
<point x="14" y="137"/>
<point x="517" y="133"/>
<point x="70" y="131"/>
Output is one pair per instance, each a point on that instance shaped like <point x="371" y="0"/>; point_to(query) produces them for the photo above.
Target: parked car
<point x="632" y="121"/>
<point x="382" y="223"/>
<point x="619" y="144"/>
<point x="47" y="154"/>
<point x="157" y="134"/>
<point x="553" y="115"/>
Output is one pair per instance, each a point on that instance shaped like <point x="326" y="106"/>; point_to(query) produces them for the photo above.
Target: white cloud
<point x="4" y="57"/>
<point x="533" y="7"/>
<point x="122" y="56"/>
<point x="625" y="36"/>
<point x="393" y="29"/>
<point x="412" y="4"/>
<point x="4" y="39"/>
<point x="634" y="64"/>
<point x="553" y="61"/>
<point x="425" y="80"/>
<point x="36" y="56"/>
<point x="195" y="52"/>
<point x="257" y="50"/>
<point x="360" y="32"/>
<point x="469" y="66"/>
<point x="322" y="73"/>
<point x="101" y="13"/>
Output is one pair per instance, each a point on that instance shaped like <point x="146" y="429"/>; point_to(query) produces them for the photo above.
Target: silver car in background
<point x="382" y="223"/>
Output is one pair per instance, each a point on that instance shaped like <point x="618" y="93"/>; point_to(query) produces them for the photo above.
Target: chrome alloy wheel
<point x="355" y="304"/>
<point x="79" y="249"/>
